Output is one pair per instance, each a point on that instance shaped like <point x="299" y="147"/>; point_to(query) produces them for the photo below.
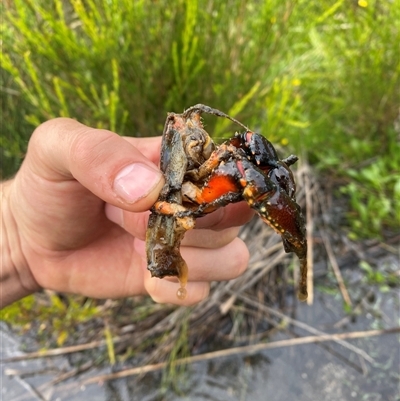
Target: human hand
<point x="75" y="218"/>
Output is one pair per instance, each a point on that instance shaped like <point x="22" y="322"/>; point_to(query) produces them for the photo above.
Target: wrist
<point x="16" y="280"/>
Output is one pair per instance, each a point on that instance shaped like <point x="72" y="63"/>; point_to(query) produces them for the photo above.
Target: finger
<point x="225" y="263"/>
<point x="106" y="268"/>
<point x="233" y="215"/>
<point x="165" y="291"/>
<point x="204" y="266"/>
<point x="108" y="165"/>
<point x="210" y="239"/>
<point x="136" y="225"/>
<point x="149" y="147"/>
<point x="211" y="264"/>
<point x="133" y="223"/>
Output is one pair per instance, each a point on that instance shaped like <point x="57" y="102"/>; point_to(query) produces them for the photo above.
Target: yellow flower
<point x="284" y="141"/>
<point x="362" y="3"/>
<point x="296" y="82"/>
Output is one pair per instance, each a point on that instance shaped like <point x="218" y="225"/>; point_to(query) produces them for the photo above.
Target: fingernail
<point x="135" y="181"/>
<point x="114" y="214"/>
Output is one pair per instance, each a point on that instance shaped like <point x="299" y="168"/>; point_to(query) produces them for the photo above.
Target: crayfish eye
<point x="208" y="148"/>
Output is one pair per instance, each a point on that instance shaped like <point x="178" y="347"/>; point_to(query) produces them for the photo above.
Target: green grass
<point x="53" y="320"/>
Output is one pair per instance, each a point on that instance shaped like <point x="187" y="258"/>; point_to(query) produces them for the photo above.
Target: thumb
<point x="105" y="163"/>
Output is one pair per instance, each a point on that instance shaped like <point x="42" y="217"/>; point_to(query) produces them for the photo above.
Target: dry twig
<point x="307" y="327"/>
<point x="335" y="267"/>
<point x="240" y="350"/>
<point x="310" y="242"/>
<point x="60" y="351"/>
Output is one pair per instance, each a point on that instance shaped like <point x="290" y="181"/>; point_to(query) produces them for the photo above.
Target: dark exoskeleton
<point x="201" y="177"/>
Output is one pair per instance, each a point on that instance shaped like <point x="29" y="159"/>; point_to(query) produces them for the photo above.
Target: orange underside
<point x="218" y="186"/>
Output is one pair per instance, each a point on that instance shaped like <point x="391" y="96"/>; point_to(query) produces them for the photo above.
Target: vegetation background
<point x="321" y="78"/>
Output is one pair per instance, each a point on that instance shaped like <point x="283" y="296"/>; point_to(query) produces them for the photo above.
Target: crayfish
<point x="201" y="176"/>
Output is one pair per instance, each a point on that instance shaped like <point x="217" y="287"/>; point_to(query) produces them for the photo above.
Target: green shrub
<point x="50" y="316"/>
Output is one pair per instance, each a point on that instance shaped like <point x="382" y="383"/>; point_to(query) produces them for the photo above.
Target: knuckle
<point x="83" y="149"/>
<point x="47" y="129"/>
<point x="90" y="148"/>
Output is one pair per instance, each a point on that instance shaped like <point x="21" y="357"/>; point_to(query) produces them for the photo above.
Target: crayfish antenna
<point x="201" y="108"/>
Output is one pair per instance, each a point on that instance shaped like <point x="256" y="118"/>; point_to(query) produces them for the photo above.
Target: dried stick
<point x="60" y="351"/>
<point x="306" y="327"/>
<point x="224" y="308"/>
<point x="335" y="268"/>
<point x="67" y="375"/>
<point x="310" y="243"/>
<point x="240" y="350"/>
<point x="31" y="389"/>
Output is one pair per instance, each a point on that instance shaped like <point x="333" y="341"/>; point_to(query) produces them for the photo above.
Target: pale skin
<point x="74" y="220"/>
